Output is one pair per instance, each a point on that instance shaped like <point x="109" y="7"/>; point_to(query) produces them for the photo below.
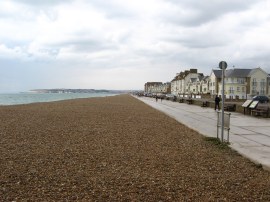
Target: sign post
<point x="222" y="66"/>
<point x="226" y="124"/>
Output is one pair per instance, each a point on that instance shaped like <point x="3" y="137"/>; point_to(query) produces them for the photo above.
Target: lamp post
<point x="222" y="66"/>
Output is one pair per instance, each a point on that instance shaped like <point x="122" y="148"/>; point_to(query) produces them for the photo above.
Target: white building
<point x="183" y="82"/>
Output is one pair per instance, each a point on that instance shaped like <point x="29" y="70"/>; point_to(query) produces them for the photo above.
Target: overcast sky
<point x="121" y="44"/>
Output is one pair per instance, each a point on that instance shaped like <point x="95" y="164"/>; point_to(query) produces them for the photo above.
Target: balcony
<point x="236" y="82"/>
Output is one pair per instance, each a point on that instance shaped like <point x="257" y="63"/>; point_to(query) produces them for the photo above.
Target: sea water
<point x="26" y="98"/>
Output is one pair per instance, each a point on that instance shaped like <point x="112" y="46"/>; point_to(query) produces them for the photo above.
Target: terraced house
<point x="239" y="83"/>
<point x="187" y="82"/>
<point x="157" y="87"/>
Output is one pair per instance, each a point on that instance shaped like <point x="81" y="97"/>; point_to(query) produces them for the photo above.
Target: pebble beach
<point x="116" y="149"/>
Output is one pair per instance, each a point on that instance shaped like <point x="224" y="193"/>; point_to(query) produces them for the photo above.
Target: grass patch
<point x="217" y="142"/>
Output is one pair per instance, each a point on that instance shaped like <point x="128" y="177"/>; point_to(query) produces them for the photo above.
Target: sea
<point x="27" y="98"/>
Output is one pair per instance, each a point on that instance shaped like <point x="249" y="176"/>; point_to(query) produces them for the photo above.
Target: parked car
<point x="161" y="95"/>
<point x="261" y="98"/>
<point x="169" y="95"/>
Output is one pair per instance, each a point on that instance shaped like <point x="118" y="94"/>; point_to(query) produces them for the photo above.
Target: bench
<point x="260" y="110"/>
<point x="204" y="104"/>
<point x="230" y="107"/>
<point x="189" y="101"/>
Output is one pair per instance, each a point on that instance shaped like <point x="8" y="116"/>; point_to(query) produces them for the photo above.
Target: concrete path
<point x="249" y="136"/>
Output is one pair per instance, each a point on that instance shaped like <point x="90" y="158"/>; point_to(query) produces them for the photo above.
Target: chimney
<point x="193" y="71"/>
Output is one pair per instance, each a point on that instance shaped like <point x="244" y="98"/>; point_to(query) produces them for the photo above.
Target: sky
<point x="122" y="44"/>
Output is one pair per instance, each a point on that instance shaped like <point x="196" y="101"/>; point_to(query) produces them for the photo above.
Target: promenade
<point x="249" y="136"/>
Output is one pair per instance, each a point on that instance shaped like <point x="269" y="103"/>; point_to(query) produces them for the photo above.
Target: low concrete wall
<point x="211" y="103"/>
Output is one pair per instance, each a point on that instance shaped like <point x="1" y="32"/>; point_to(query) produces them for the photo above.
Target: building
<point x="239" y="83"/>
<point x="157" y="88"/>
<point x="184" y="82"/>
<point x="204" y="84"/>
<point x="257" y="82"/>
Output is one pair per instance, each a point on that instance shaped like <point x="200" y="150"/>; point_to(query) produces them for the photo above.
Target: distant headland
<point x="64" y="90"/>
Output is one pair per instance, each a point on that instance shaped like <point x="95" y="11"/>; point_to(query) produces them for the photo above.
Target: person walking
<point x="217" y="101"/>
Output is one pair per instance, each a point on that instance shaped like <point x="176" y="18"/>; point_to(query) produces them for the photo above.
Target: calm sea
<point x="26" y="98"/>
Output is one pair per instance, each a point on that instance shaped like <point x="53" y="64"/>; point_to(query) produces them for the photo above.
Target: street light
<point x="222" y="66"/>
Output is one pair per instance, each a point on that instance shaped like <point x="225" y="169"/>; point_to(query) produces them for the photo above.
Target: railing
<point x="236" y="82"/>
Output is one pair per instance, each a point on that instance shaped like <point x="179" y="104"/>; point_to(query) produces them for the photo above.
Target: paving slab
<point x="249" y="136"/>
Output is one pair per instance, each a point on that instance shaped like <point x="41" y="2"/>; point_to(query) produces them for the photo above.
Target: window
<point x="243" y="89"/>
<point x="238" y="89"/>
<point x="254" y="83"/>
<point x="231" y="91"/>
<point x="254" y="92"/>
<point x="241" y="80"/>
<point x="263" y="83"/>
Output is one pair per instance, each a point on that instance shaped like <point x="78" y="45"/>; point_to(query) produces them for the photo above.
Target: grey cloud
<point x="199" y="38"/>
<point x="216" y="6"/>
<point x="112" y="10"/>
<point x="154" y="54"/>
<point x="29" y="13"/>
<point x="91" y="41"/>
<point x="85" y="45"/>
<point x="198" y="42"/>
<point x="178" y="34"/>
<point x="41" y="3"/>
<point x="12" y="43"/>
<point x="90" y="46"/>
<point x="194" y="13"/>
<point x="50" y="51"/>
<point x="256" y="60"/>
<point x="4" y="15"/>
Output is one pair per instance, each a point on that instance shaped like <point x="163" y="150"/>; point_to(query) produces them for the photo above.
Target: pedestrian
<point x="217" y="100"/>
<point x="156" y="98"/>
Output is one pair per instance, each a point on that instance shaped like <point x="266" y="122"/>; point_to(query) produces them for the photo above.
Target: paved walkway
<point x="249" y="136"/>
